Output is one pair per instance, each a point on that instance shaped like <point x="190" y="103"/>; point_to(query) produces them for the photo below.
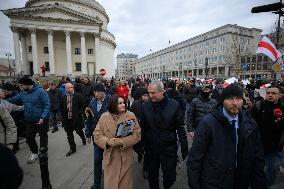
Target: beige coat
<point x="11" y="130"/>
<point x="117" y="161"/>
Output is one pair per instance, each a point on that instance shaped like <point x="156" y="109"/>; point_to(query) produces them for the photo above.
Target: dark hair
<point x="113" y="104"/>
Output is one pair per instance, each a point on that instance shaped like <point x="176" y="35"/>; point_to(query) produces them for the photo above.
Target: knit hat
<point x="99" y="87"/>
<point x="141" y="91"/>
<point x="232" y="90"/>
<point x="26" y="81"/>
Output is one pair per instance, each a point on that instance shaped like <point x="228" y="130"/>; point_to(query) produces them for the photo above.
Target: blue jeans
<point x="98" y="159"/>
<point x="272" y="166"/>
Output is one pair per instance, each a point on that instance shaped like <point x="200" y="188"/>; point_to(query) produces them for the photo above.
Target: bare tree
<point x="235" y="51"/>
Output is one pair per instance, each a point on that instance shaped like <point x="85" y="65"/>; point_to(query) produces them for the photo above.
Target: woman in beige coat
<point x="116" y="132"/>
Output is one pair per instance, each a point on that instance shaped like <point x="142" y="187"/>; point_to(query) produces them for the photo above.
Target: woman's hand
<point x="113" y="142"/>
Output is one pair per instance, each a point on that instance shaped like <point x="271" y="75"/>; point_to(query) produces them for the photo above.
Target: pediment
<point x="51" y="12"/>
<point x="56" y="14"/>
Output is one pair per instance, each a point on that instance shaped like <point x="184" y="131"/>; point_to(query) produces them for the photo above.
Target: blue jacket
<point x="36" y="103"/>
<point x="92" y="122"/>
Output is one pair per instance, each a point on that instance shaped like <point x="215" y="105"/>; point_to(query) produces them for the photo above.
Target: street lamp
<point x="8" y="55"/>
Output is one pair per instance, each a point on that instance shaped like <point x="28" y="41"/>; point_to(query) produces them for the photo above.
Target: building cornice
<point x="23" y="12"/>
<point x="98" y="8"/>
<point x="108" y="41"/>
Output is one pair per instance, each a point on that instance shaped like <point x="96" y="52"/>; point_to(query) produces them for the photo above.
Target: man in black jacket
<point x="72" y="107"/>
<point x="216" y="93"/>
<point x="162" y="123"/>
<point x="199" y="108"/>
<point x="227" y="151"/>
<point x="269" y="117"/>
<point x="55" y="97"/>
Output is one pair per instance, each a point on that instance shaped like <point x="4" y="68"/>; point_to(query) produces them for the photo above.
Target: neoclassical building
<point x="69" y="37"/>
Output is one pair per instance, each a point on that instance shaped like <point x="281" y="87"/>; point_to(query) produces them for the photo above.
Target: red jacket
<point x="122" y="91"/>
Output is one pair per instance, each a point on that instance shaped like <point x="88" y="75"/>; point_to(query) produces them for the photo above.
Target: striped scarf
<point x="69" y="105"/>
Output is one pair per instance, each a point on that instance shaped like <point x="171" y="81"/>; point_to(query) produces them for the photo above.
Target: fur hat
<point x="232" y="90"/>
<point x="26" y="81"/>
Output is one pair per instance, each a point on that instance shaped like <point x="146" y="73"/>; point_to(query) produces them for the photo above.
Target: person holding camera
<point x="269" y="117"/>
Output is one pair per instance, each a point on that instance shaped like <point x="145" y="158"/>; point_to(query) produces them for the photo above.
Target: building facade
<point x="69" y="37"/>
<point x="219" y="53"/>
<point x="125" y="65"/>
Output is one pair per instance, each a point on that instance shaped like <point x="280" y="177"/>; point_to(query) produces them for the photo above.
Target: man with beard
<point x="199" y="108"/>
<point x="227" y="150"/>
<point x="269" y="117"/>
<point x="163" y="124"/>
<point x="72" y="107"/>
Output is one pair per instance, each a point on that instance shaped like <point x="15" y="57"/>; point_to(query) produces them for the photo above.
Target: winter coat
<point x="10" y="107"/>
<point x="213" y="161"/>
<point x="36" y="103"/>
<point x="198" y="109"/>
<point x="78" y="105"/>
<point x="216" y="95"/>
<point x="55" y="97"/>
<point x="191" y="93"/>
<point x="270" y="131"/>
<point x="8" y="129"/>
<point x="163" y="125"/>
<point x="122" y="91"/>
<point x="174" y="94"/>
<point x="117" y="162"/>
<point x="134" y="90"/>
<point x="91" y="123"/>
<point x="87" y="92"/>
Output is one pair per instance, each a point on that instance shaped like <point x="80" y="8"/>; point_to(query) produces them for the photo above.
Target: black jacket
<point x="270" y="131"/>
<point x="163" y="124"/>
<point x="216" y="95"/>
<point x="78" y="105"/>
<point x="191" y="93"/>
<point x="199" y="107"/>
<point x="55" y="97"/>
<point x="212" y="158"/>
<point x="174" y="94"/>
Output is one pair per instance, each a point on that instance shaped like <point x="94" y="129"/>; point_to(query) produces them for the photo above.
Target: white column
<point x="25" y="65"/>
<point x="34" y="52"/>
<point x="68" y="52"/>
<point x="83" y="54"/>
<point x="217" y="73"/>
<point x="97" y="54"/>
<point x="51" y="53"/>
<point x="17" y="49"/>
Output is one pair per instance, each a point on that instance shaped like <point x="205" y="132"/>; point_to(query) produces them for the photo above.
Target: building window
<point x="78" y="67"/>
<point x="45" y="50"/>
<point x="222" y="49"/>
<point x="77" y="51"/>
<point x="248" y="41"/>
<point x="47" y="65"/>
<point x="30" y="49"/>
<point x="90" y="51"/>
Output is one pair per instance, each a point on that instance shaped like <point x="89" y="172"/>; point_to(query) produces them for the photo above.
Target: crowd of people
<point x="237" y="134"/>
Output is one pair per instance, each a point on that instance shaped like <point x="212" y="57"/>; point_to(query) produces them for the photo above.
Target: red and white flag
<point x="266" y="47"/>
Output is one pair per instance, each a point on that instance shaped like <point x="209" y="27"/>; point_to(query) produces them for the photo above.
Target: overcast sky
<point x="141" y="25"/>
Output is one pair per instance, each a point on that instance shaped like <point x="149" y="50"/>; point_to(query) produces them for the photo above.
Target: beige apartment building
<point x="219" y="53"/>
<point x="125" y="65"/>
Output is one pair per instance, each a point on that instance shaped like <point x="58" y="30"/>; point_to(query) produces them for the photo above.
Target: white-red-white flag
<point x="266" y="47"/>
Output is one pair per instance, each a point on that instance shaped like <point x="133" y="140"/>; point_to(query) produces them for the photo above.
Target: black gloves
<point x="184" y="152"/>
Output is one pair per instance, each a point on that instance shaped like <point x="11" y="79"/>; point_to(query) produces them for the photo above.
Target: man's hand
<point x="88" y="140"/>
<point x="40" y="122"/>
